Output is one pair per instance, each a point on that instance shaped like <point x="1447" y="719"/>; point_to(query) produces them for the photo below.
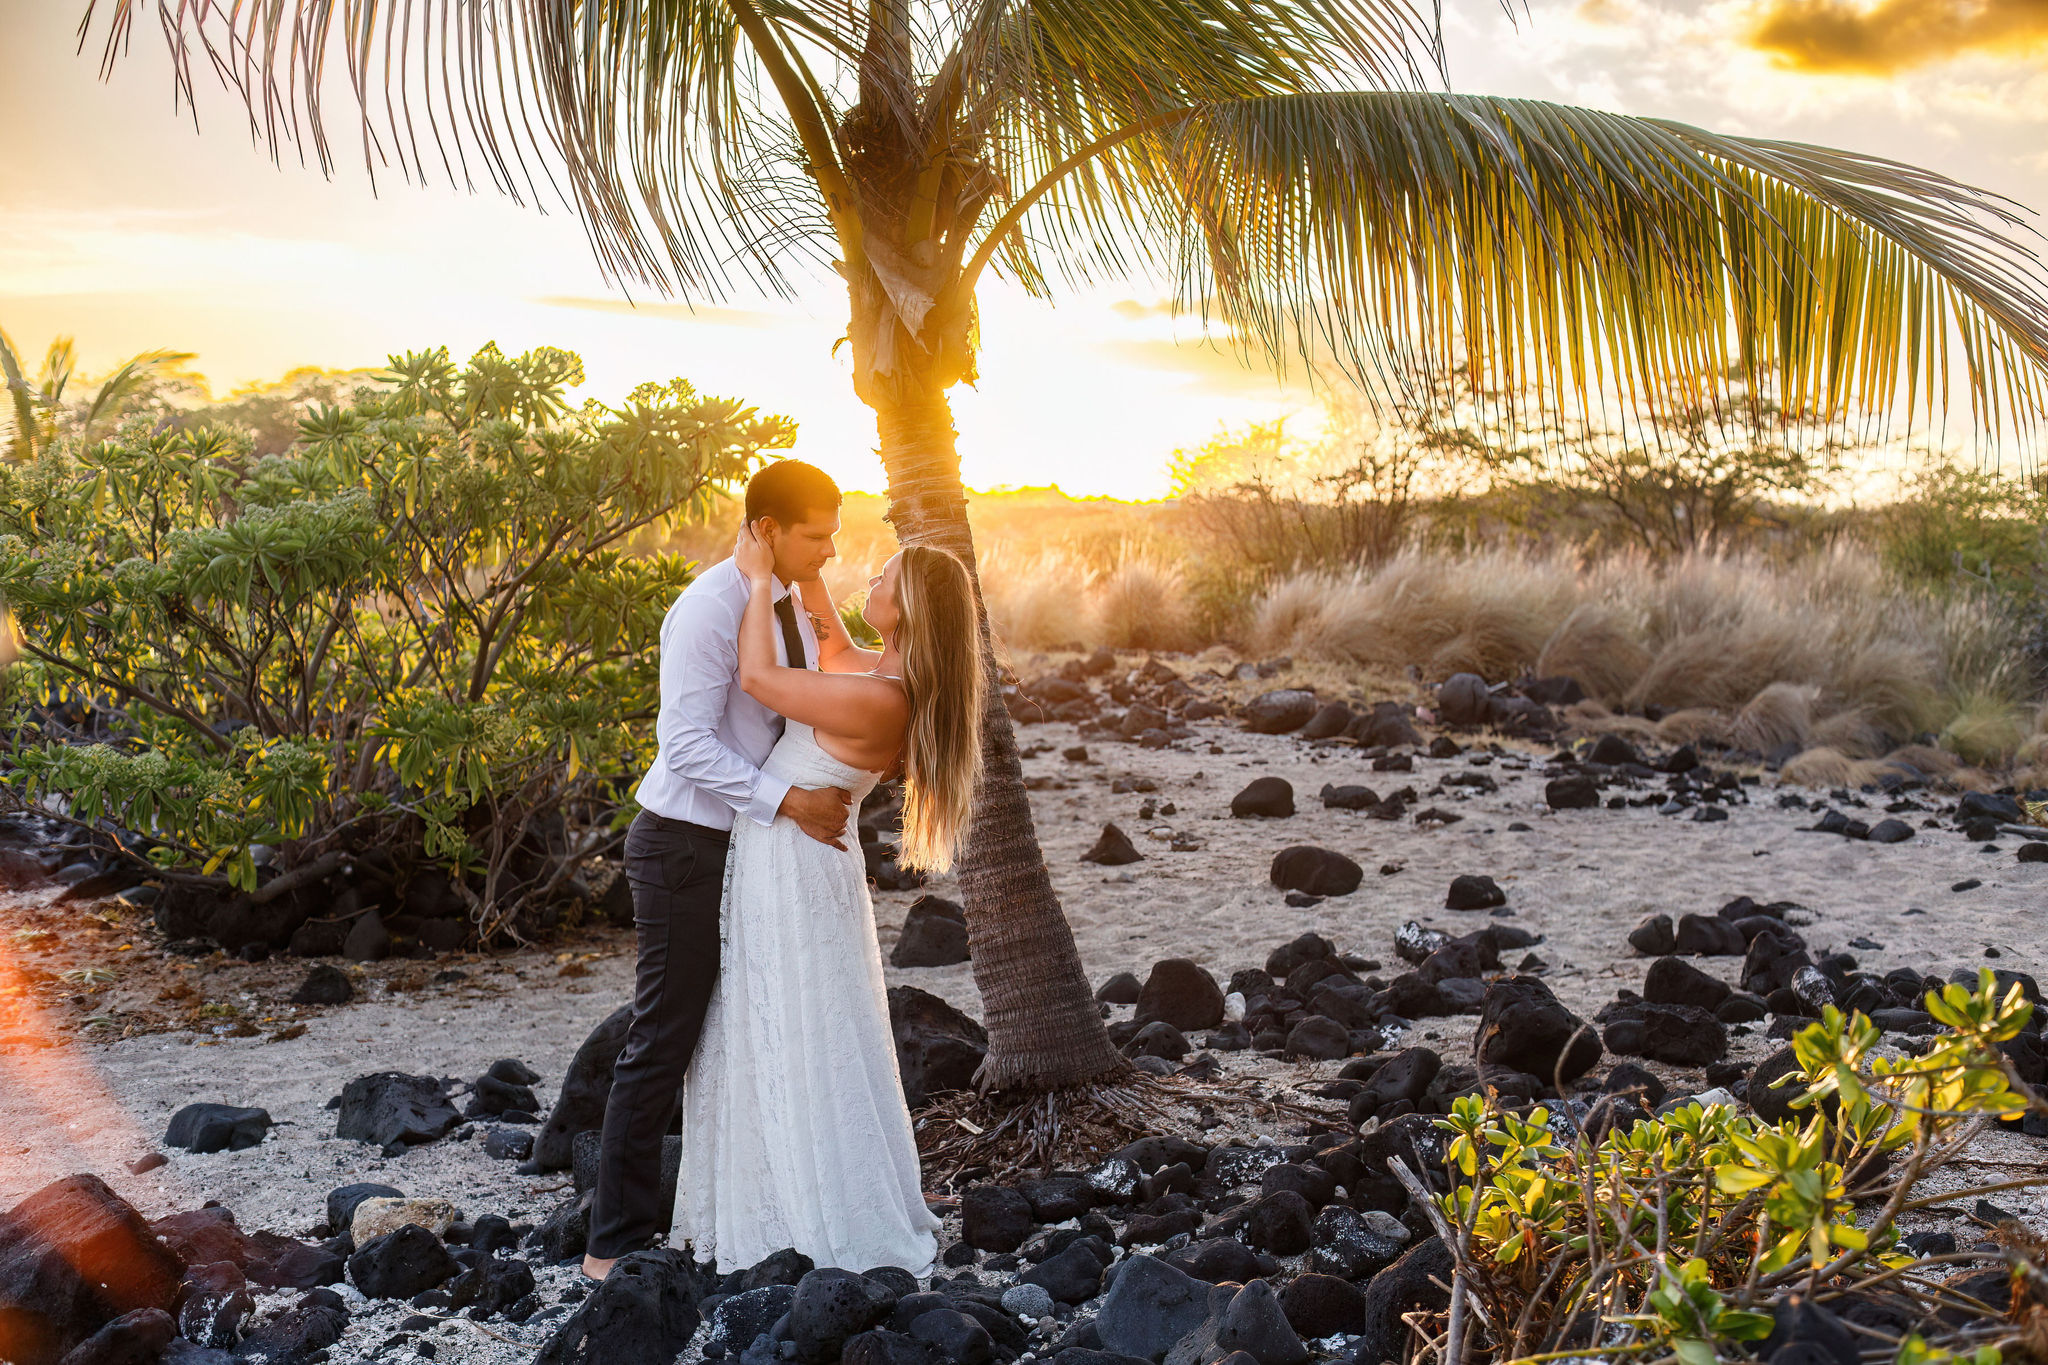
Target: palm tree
<point x="1290" y="166"/>
<point x="38" y="404"/>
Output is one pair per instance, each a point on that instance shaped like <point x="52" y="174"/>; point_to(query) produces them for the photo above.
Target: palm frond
<point x="1566" y="253"/>
<point x="59" y="363"/>
<point x="122" y="387"/>
<point x="644" y="116"/>
<point x="1049" y="79"/>
<point x="21" y="438"/>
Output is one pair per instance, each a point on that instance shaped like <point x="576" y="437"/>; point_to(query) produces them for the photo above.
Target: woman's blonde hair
<point x="940" y="641"/>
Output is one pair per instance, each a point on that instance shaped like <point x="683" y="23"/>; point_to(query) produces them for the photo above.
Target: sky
<point x="121" y="226"/>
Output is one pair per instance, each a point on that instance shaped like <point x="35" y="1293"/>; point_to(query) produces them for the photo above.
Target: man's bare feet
<point x="595" y="1269"/>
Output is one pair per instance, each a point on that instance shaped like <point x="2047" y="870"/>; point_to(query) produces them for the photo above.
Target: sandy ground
<point x="1581" y="879"/>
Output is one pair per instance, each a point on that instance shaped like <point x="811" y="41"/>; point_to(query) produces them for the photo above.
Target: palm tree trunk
<point x="1045" y="1031"/>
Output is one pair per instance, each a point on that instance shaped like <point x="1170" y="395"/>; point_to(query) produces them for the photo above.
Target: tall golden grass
<point x="1053" y="598"/>
<point x="1827" y="651"/>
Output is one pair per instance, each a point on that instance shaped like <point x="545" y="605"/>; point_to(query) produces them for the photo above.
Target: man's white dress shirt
<point x="713" y="737"/>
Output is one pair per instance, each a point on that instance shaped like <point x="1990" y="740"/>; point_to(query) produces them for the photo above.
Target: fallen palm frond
<point x="1010" y="1133"/>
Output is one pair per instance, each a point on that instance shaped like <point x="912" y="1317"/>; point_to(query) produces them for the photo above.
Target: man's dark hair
<point x="789" y="491"/>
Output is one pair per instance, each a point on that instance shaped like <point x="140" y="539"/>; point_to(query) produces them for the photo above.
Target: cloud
<point x="1893" y="35"/>
<point x="673" y="312"/>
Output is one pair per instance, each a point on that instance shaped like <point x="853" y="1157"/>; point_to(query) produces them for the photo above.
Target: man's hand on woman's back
<point x="820" y="812"/>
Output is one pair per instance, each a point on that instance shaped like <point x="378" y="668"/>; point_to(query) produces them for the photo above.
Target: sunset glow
<point x="123" y="227"/>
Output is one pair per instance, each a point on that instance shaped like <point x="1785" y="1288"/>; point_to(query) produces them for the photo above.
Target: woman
<point x="795" y="1132"/>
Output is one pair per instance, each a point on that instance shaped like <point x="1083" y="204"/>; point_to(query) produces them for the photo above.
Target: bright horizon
<point x="124" y="228"/>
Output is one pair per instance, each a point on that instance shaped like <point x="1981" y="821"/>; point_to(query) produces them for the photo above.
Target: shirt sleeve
<point x="699" y="669"/>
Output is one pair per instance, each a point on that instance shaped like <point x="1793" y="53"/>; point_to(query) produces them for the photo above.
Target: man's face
<point x="803" y="549"/>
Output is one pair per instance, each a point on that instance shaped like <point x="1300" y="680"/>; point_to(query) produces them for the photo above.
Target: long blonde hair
<point x="939" y="640"/>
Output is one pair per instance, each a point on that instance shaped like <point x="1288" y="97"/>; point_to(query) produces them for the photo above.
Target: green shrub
<point x="1672" y="1238"/>
<point x="418" y="630"/>
<point x="1951" y="522"/>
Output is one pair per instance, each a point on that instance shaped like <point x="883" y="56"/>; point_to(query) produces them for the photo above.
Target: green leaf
<point x="1692" y="1351"/>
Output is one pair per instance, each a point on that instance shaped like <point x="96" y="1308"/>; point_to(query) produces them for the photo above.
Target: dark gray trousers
<point x="677" y="872"/>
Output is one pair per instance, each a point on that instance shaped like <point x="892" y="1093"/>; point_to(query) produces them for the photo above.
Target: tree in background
<point x="414" y="640"/>
<point x="1689" y="476"/>
<point x="1392" y="230"/>
<point x="269" y="411"/>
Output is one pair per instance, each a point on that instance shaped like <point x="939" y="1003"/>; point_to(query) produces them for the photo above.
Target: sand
<point x="1581" y="879"/>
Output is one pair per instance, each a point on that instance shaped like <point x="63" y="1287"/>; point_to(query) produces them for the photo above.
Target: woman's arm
<point x="836" y="703"/>
<point x="837" y="653"/>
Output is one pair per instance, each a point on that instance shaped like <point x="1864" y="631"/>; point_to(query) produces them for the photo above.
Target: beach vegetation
<point x="418" y="630"/>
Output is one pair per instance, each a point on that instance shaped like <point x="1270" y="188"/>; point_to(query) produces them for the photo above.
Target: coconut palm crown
<point x="1292" y="169"/>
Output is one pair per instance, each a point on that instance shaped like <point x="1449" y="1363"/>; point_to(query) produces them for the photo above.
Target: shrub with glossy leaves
<point x="1675" y="1236"/>
<point x="423" y="628"/>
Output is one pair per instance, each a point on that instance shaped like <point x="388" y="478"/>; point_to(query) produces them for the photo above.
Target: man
<point x="712" y="741"/>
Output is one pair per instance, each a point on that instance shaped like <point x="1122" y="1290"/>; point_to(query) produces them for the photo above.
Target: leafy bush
<point x="1954" y="523"/>
<point x="1674" y="1236"/>
<point x="415" y="638"/>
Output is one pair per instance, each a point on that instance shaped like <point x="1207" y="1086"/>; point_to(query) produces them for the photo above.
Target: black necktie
<point x="792" y="641"/>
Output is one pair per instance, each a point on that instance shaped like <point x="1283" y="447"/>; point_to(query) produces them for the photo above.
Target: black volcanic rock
<point x="216" y="1128"/>
<point x="1522" y="1027"/>
<point x="1278" y="713"/>
<point x="1679" y="1035"/>
<point x="1182" y="993"/>
<point x="938" y="1049"/>
<point x="74" y="1257"/>
<point x="1315" y="871"/>
<point x="1112" y="848"/>
<point x="1654" y="936"/>
<point x="403" y="1262"/>
<point x="1474" y="892"/>
<point x="395" y="1111"/>
<point x="1575" y="791"/>
<point x="1269" y="797"/>
<point x="1120" y="989"/>
<point x="1674" y="981"/>
<point x="326" y="984"/>
<point x="934" y="934"/>
<point x="1707" y="936"/>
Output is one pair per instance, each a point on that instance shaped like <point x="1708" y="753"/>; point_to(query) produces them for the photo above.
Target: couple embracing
<point x="759" y="1003"/>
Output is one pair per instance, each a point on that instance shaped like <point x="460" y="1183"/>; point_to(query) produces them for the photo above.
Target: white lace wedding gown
<point x="795" y="1132"/>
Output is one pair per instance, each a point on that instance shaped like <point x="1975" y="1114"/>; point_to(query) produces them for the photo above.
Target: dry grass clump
<point x="1598" y="645"/>
<point x="1986" y="729"/>
<point x="1140" y="602"/>
<point x="1037" y="601"/>
<point x="1780" y="715"/>
<point x="1489" y="612"/>
<point x="1924" y="758"/>
<point x="1827" y="654"/>
<point x="1824" y="767"/>
<point x="1053" y="598"/>
<point x="1693" y="724"/>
